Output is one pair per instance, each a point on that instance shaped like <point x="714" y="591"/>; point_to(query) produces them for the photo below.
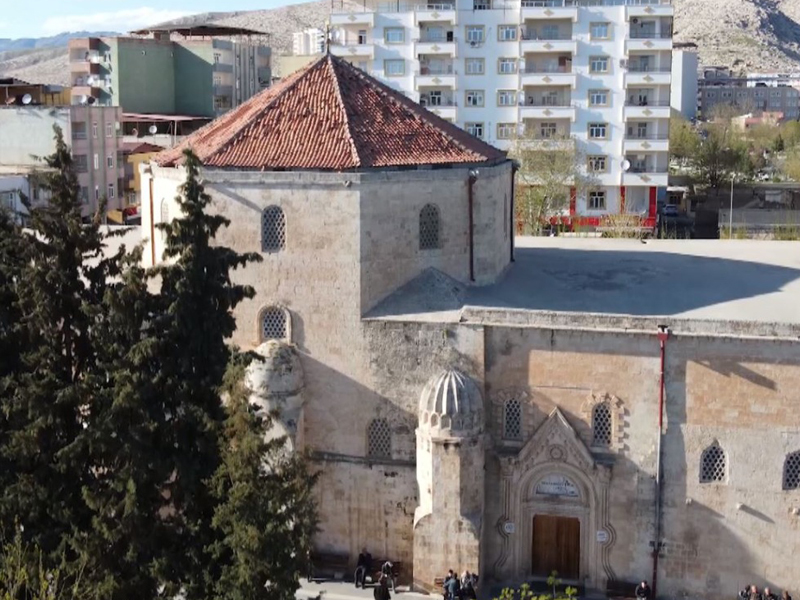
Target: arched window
<point x="274" y="324"/>
<point x="712" y="464"/>
<point x="791" y="471"/>
<point x="379" y="439"/>
<point x="164" y="216"/>
<point x="273" y="229"/>
<point x="429" y="227"/>
<point x="512" y="419"/>
<point x="601" y="424"/>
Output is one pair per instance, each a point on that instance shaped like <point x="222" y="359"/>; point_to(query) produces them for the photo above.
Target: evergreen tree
<point x="266" y="512"/>
<point x="46" y="398"/>
<point x="193" y="319"/>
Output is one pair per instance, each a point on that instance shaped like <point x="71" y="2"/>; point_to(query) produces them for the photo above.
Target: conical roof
<point x="330" y="116"/>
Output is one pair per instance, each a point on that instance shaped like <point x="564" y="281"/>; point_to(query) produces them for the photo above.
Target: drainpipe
<point x="663" y="336"/>
<point x="152" y="224"/>
<point x="473" y="177"/>
<point x="512" y="230"/>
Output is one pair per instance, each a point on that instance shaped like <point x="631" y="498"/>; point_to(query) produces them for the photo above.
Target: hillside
<point x="54" y="41"/>
<point x="754" y="35"/>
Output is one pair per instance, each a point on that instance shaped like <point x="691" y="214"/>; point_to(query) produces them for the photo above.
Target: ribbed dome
<point x="279" y="374"/>
<point x="451" y="402"/>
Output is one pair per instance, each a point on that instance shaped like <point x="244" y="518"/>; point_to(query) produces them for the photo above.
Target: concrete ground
<point x="341" y="590"/>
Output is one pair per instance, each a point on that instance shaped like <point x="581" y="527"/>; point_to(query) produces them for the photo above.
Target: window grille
<point x="601" y="425"/>
<point x="712" y="464"/>
<point x="379" y="439"/>
<point x="429" y="227"/>
<point x="273" y="324"/>
<point x="512" y="419"/>
<point x="791" y="471"/>
<point x="273" y="229"/>
<point x="164" y="217"/>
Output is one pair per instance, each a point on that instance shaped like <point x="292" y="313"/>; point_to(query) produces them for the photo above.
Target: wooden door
<point x="556" y="546"/>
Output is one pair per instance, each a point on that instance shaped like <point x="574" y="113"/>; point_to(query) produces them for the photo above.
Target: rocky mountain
<point x="54" y="41"/>
<point x="748" y="35"/>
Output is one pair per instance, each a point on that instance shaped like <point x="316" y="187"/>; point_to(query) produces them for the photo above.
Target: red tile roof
<point x="330" y="116"/>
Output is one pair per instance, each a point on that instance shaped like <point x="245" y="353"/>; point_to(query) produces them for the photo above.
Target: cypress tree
<point x="266" y="513"/>
<point x="192" y="321"/>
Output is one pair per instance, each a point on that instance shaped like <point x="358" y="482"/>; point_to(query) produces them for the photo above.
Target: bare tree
<point x="549" y="167"/>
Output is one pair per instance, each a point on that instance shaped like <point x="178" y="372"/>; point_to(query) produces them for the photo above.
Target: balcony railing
<point x="440" y="103"/>
<point x="435" y="7"/>
<point x="647" y="169"/>
<point x="436" y="39"/>
<point x="350" y="43"/>
<point x="635" y="135"/>
<point x="535" y="36"/>
<point x="78" y="135"/>
<point x="576" y="3"/>
<point x="650" y="35"/>
<point x="634" y="68"/>
<point x="402" y="7"/>
<point x="436" y="70"/>
<point x="546" y="102"/>
<point x="644" y="103"/>
<point x="544" y="69"/>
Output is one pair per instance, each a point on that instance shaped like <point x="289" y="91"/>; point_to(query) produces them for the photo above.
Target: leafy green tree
<point x="266" y="512"/>
<point x="683" y="137"/>
<point x="778" y="144"/>
<point x="790" y="132"/>
<point x="722" y="152"/>
<point x="192" y="320"/>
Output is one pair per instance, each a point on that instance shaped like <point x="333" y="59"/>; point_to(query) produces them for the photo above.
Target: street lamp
<point x="730" y="214"/>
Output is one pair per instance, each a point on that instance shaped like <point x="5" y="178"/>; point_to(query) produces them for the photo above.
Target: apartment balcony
<point x="222" y="67"/>
<point x="545" y="75"/>
<point x="646" y="177"/>
<point x="84" y="67"/>
<point x="651" y="109"/>
<point x="223" y="91"/>
<point x="532" y="41"/>
<point x="550" y="9"/>
<point x="648" y="40"/>
<point x="446" y="112"/>
<point x="352" y="49"/>
<point x="443" y="45"/>
<point x="83" y="44"/>
<point x="86" y="90"/>
<point x="547" y="108"/>
<point x="649" y="8"/>
<point x="364" y="18"/>
<point x="646" y="75"/>
<point x="439" y="76"/>
<point x="639" y="143"/>
<point x="436" y="13"/>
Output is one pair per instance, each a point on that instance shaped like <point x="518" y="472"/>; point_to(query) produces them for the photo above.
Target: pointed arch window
<point x="791" y="471"/>
<point x="274" y="322"/>
<point x="273" y="229"/>
<point x="512" y="419"/>
<point x="429" y="225"/>
<point x="379" y="439"/>
<point x="601" y="425"/>
<point x="713" y="464"/>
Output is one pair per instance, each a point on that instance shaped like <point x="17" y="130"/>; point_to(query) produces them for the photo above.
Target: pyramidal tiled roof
<point x="330" y="116"/>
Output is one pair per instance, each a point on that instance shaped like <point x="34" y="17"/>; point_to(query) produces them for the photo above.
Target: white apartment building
<point x="596" y="70"/>
<point x="307" y="42"/>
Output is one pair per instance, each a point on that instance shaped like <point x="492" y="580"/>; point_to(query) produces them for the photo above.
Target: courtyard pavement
<point x="340" y="590"/>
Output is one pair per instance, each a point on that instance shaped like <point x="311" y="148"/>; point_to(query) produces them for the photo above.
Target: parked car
<point x="670" y="210"/>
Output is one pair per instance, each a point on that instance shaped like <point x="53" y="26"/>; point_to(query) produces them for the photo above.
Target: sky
<point x="41" y="18"/>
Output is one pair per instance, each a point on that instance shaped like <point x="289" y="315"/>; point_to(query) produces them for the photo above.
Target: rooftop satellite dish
<point x="91" y="100"/>
<point x="84" y="99"/>
<point x="626" y="165"/>
<point x="134" y="132"/>
<point x="27" y="99"/>
<point x="153" y="130"/>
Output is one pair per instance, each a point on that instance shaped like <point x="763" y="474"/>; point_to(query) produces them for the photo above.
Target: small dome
<point x="278" y="374"/>
<point x="451" y="402"/>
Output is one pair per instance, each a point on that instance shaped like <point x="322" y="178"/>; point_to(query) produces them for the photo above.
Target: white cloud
<point x="121" y="20"/>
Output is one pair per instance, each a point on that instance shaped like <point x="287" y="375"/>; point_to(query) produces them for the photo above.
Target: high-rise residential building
<point x="308" y="42"/>
<point x="683" y="96"/>
<point x="203" y="71"/>
<point x="94" y="135"/>
<point x="595" y="70"/>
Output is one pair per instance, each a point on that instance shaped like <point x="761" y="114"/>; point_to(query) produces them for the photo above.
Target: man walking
<point x="643" y="591"/>
<point x="363" y="567"/>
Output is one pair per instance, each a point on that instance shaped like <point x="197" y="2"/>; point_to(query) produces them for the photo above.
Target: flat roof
<point x="730" y="281"/>
<point x="199" y="30"/>
<point x="155" y="117"/>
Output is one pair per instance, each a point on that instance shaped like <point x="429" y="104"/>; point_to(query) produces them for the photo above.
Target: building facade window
<point x="274" y="324"/>
<point x="548" y="130"/>
<point x="600" y="31"/>
<point x="598" y="64"/>
<point x="598" y="131"/>
<point x="96" y="161"/>
<point x="394" y="67"/>
<point x="598" y="164"/>
<point x="110" y="190"/>
<point x="475" y="66"/>
<point x="109" y="130"/>
<point x="394" y="35"/>
<point x="473" y="97"/>
<point x="505" y="131"/>
<point x="601" y="425"/>
<point x="597" y="200"/>
<point x="110" y="162"/>
<point x="429" y="225"/>
<point x="273" y="229"/>
<point x="507" y="66"/>
<point x="475" y="129"/>
<point x="791" y="471"/>
<point x="94" y="130"/>
<point x="79" y="161"/>
<point x="512" y="419"/>
<point x="598" y="97"/>
<point x="475" y="34"/>
<point x="506" y="98"/>
<point x="379" y="439"/>
<point x="713" y="467"/>
<point x="507" y="33"/>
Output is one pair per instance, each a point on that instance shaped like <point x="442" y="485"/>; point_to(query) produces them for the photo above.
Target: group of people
<point x="386" y="580"/>
<point x="460" y="588"/>
<point x="751" y="593"/>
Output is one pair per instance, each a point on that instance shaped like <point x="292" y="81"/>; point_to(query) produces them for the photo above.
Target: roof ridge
<point x="289" y="84"/>
<point x="420" y="112"/>
<point x="343" y="107"/>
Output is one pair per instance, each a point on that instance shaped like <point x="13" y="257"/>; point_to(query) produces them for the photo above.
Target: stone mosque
<point x="608" y="409"/>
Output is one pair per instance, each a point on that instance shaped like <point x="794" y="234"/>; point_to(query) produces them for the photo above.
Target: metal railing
<point x="533" y="36"/>
<point x="576" y="3"/>
<point x="647" y="103"/>
<point x="401" y="7"/>
<point x="635" y="135"/>
<point x="650" y="35"/>
<point x="436" y="39"/>
<point x="640" y="169"/>
<point x="78" y="135"/>
<point x="438" y="103"/>
<point x="434" y="7"/>
<point x="544" y="69"/>
<point x="634" y="68"/>
<point x="437" y="70"/>
<point x="546" y="102"/>
<point x="350" y="43"/>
